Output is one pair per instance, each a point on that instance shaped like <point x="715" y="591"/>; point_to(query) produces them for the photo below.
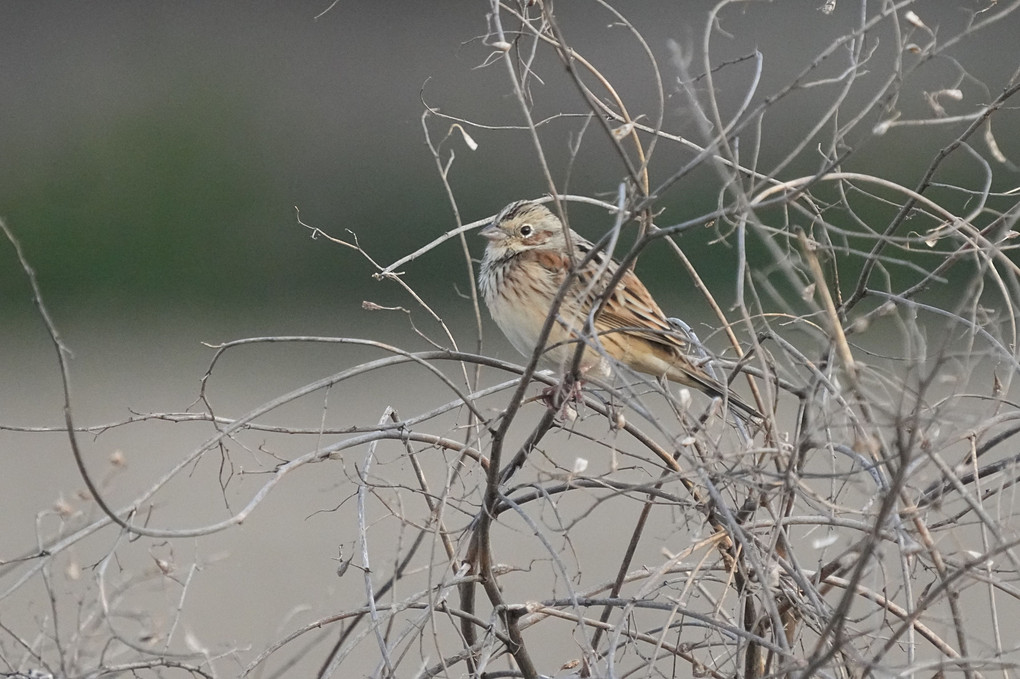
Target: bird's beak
<point x="491" y="232"/>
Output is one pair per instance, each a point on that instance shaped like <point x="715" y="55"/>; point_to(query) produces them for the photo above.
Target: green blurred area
<point x="148" y="207"/>
<point x="153" y="155"/>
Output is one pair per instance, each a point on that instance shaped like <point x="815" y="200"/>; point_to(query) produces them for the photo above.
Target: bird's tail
<point x="742" y="409"/>
<point x="702" y="382"/>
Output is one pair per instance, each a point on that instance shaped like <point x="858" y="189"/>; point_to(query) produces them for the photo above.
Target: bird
<point x="526" y="261"/>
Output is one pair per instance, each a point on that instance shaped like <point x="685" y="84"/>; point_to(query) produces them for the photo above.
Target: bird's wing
<point x="632" y="309"/>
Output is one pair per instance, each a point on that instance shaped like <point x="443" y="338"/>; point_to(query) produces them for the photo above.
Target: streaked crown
<point x="524" y="225"/>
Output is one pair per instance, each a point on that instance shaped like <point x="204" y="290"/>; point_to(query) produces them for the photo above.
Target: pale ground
<point x="254" y="582"/>
<point x="246" y="586"/>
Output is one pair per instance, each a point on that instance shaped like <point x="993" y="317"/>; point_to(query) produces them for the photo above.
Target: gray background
<point x="151" y="155"/>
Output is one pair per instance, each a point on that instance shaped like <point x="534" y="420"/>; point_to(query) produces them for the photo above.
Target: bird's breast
<point x="518" y="296"/>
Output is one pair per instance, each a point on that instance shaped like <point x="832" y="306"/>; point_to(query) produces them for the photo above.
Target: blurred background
<point x="152" y="156"/>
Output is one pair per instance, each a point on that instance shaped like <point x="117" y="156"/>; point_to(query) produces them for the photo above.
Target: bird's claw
<point x="564" y="396"/>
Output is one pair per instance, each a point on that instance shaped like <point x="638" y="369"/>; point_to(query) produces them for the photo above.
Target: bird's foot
<point x="564" y="397"/>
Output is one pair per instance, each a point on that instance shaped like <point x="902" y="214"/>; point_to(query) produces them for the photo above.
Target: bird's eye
<point x="526" y="230"/>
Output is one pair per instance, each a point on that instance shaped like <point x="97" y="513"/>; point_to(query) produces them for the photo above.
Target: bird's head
<point x="523" y="226"/>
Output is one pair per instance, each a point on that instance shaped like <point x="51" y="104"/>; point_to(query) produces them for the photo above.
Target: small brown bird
<point x="525" y="263"/>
